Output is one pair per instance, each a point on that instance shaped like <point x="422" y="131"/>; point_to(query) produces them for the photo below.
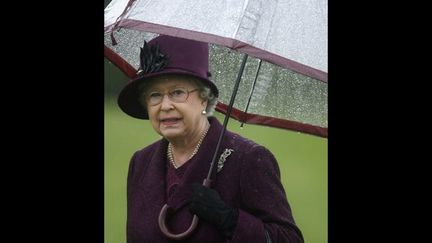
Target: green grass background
<point x="302" y="160"/>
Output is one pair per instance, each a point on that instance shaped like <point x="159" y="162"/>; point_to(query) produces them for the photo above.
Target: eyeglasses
<point x="177" y="95"/>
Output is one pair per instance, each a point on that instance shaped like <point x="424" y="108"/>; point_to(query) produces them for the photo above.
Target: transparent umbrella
<point x="268" y="58"/>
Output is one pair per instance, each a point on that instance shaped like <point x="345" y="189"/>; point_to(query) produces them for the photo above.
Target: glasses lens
<point x="178" y="94"/>
<point x="155" y="98"/>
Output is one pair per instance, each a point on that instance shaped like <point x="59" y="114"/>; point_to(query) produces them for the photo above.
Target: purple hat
<point x="166" y="55"/>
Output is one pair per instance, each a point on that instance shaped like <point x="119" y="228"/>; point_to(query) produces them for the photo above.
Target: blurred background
<point x="302" y="160"/>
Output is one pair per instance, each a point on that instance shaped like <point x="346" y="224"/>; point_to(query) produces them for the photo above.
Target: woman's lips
<point x="169" y="121"/>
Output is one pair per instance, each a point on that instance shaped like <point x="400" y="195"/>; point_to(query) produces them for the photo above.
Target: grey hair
<point x="207" y="94"/>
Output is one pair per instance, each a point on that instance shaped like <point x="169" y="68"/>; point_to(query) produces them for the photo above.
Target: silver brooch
<point x="222" y="158"/>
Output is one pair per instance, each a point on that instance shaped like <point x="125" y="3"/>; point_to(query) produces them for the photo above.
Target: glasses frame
<point x="170" y="95"/>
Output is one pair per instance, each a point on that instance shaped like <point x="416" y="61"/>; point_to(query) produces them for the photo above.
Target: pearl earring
<point x="204" y="112"/>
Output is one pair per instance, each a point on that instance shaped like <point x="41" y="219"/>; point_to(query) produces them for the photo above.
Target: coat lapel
<point x="154" y="178"/>
<point x="199" y="167"/>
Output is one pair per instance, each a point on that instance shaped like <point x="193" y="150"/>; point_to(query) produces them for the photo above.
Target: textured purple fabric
<point x="249" y="181"/>
<point x="174" y="177"/>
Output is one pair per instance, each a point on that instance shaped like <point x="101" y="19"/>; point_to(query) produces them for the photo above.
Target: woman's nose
<point x="166" y="103"/>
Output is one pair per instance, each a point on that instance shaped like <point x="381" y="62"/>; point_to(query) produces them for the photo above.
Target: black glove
<point x="207" y="205"/>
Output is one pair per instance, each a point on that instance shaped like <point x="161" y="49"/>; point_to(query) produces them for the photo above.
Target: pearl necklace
<point x="170" y="152"/>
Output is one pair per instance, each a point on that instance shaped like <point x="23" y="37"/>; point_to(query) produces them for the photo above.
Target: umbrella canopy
<point x="288" y="89"/>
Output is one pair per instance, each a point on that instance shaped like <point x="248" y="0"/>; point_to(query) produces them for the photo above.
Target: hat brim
<point x="128" y="99"/>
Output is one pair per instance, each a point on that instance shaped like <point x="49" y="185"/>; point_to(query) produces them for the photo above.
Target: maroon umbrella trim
<point x="130" y="71"/>
<point x="124" y="66"/>
<point x="272" y="121"/>
<point x="228" y="42"/>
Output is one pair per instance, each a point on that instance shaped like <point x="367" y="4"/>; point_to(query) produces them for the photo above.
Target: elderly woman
<point x="246" y="201"/>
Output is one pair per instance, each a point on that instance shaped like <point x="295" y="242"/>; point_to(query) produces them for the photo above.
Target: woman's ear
<point x="204" y="102"/>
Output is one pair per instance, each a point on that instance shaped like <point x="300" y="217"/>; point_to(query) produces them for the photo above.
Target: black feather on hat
<point x="151" y="59"/>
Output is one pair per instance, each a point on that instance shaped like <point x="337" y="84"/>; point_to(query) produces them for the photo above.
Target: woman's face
<point x="174" y="117"/>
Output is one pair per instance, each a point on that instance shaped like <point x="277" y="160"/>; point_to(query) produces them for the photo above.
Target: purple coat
<point x="249" y="181"/>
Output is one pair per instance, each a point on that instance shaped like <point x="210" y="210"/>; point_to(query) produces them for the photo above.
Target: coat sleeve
<point x="264" y="206"/>
<point x="131" y="173"/>
<point x="130" y="236"/>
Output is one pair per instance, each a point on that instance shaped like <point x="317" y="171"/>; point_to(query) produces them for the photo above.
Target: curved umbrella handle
<point x="166" y="232"/>
<point x="162" y="216"/>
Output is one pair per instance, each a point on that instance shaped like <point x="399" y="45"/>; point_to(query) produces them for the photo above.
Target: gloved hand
<point x="207" y="205"/>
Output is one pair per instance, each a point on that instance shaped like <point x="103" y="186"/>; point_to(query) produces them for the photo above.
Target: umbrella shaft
<point x="253" y="88"/>
<point x="234" y="93"/>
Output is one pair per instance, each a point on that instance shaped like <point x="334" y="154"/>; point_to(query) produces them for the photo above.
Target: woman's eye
<point x="155" y="95"/>
<point x="178" y="92"/>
